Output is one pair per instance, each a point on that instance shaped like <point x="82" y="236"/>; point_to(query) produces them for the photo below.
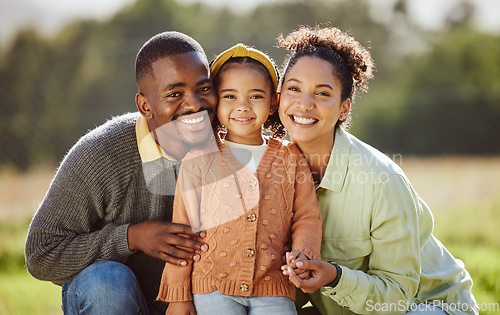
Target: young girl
<point x="253" y="195"/>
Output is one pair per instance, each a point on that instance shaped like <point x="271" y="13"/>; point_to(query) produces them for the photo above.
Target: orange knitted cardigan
<point x="251" y="221"/>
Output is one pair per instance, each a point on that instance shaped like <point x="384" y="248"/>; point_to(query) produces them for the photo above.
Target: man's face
<point x="178" y="100"/>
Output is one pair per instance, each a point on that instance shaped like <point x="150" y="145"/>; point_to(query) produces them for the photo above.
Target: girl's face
<point x="310" y="102"/>
<point x="245" y="102"/>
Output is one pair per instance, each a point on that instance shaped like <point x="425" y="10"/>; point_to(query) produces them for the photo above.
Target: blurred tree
<point x="451" y="99"/>
<point x="59" y="87"/>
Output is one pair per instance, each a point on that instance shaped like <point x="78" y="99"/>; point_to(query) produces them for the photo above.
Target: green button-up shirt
<point x="379" y="231"/>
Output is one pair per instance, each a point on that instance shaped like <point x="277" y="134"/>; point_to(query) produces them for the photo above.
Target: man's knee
<point x="105" y="285"/>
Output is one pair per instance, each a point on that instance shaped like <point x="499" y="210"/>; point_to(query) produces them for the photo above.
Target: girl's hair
<point x="273" y="123"/>
<point x="351" y="62"/>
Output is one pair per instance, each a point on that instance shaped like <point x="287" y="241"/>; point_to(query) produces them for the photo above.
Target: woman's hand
<point x="321" y="274"/>
<point x="290" y="261"/>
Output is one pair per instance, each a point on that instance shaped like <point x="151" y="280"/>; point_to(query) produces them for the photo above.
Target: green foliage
<point x="56" y="88"/>
<point x="451" y="99"/>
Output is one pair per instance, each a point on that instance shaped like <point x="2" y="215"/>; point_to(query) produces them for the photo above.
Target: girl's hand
<point x="181" y="308"/>
<point x="321" y="274"/>
<point x="291" y="259"/>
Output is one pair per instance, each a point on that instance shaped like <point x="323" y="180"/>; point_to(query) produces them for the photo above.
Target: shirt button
<point x="253" y="183"/>
<point x="225" y="185"/>
<point x="237" y="196"/>
<point x="250" y="252"/>
<point x="244" y="287"/>
<point x="251" y="217"/>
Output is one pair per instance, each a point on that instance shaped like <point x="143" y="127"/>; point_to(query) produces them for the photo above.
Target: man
<point x="103" y="230"/>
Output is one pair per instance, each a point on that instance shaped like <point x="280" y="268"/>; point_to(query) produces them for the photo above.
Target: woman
<point x="378" y="251"/>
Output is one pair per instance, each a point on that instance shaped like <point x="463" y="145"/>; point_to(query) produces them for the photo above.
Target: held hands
<point x="320" y="274"/>
<point x="290" y="262"/>
<point x="171" y="242"/>
<point x="181" y="308"/>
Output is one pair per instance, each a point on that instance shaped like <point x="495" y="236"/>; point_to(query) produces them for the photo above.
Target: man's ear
<point x="141" y="101"/>
<point x="275" y="103"/>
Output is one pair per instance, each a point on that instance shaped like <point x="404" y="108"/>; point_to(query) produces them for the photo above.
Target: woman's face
<point x="310" y="102"/>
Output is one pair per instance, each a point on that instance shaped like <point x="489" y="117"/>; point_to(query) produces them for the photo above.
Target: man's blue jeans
<point x="106" y="287"/>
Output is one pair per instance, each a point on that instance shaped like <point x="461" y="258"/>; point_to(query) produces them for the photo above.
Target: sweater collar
<point x="148" y="148"/>
<point x="336" y="170"/>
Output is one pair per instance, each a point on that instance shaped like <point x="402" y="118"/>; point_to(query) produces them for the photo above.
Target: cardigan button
<point x="265" y="222"/>
<point x="263" y="246"/>
<point x="234" y="242"/>
<point x="273" y="211"/>
<point x="250" y="252"/>
<point x="269" y="175"/>
<point x="226" y="184"/>
<point x="272" y="236"/>
<point x="267" y="197"/>
<point x="251" y="217"/>
<point x="237" y="196"/>
<point x="223" y="254"/>
<point x="223" y="275"/>
<point x="244" y="287"/>
<point x="253" y="183"/>
<point x="267" y="278"/>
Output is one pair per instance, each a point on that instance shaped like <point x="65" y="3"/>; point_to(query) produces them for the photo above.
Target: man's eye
<point x="173" y="94"/>
<point x="205" y="89"/>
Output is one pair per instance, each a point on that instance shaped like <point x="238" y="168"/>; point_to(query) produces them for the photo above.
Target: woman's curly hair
<point x="352" y="63"/>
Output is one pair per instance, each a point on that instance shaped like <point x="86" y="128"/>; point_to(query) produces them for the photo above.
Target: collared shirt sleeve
<point x="394" y="263"/>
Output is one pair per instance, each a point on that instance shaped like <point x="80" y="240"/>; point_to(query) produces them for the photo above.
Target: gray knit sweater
<point x="98" y="191"/>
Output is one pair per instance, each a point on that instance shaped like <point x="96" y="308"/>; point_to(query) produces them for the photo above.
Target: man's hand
<point x="181" y="308"/>
<point x="163" y="240"/>
<point x="322" y="273"/>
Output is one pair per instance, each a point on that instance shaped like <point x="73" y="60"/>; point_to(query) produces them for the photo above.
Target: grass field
<point x="462" y="192"/>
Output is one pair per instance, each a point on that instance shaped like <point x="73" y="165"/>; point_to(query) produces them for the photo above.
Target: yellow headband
<point x="240" y="50"/>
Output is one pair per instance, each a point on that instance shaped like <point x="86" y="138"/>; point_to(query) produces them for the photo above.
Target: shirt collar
<point x="336" y="170"/>
<point x="148" y="148"/>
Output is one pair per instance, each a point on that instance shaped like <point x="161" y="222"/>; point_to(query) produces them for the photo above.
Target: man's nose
<point x="192" y="103"/>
